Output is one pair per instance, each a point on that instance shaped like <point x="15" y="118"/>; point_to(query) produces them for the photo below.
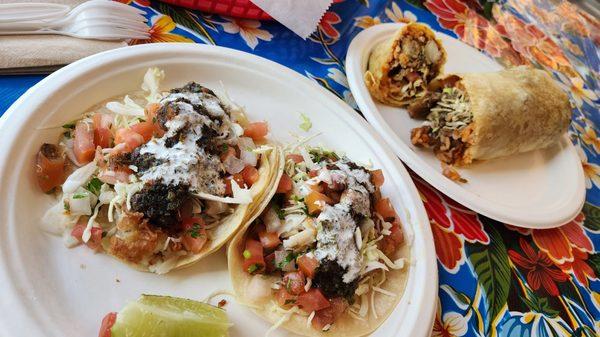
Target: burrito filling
<point x="448" y="127"/>
<point x="411" y="65"/>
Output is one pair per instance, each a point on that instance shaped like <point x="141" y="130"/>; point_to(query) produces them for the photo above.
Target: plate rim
<point x="42" y="91"/>
<point x="358" y="50"/>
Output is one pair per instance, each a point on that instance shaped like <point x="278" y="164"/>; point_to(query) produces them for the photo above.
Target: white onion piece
<point x="247" y="155"/>
<point x="258" y="288"/>
<point x="233" y="165"/>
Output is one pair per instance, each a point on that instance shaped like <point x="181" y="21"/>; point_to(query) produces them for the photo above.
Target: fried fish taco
<point x="163" y="186"/>
<point x="327" y="256"/>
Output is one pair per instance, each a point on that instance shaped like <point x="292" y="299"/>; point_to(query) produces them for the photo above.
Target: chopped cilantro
<point x="447" y="90"/>
<point x="94" y="186"/>
<point x="288" y="285"/>
<point x="104" y="233"/>
<point x="195" y="231"/>
<point x="153" y="119"/>
<point x="140" y="119"/>
<point x="246" y="254"/>
<point x="67" y="134"/>
<point x="224" y="147"/>
<point x="252" y="268"/>
<point x="290" y="301"/>
<point x="279" y="211"/>
<point x="70" y="125"/>
<point x="306" y="123"/>
<point x="66" y="205"/>
<point x="291" y="256"/>
<point x="79" y="195"/>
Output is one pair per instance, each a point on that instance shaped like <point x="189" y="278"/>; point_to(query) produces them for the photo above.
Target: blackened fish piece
<point x="329" y="278"/>
<point x="160" y="204"/>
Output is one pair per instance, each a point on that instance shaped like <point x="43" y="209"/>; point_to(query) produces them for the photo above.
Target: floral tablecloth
<point x="495" y="280"/>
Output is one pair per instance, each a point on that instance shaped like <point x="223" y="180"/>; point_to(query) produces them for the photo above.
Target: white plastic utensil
<point x="15" y="12"/>
<point x="96" y="19"/>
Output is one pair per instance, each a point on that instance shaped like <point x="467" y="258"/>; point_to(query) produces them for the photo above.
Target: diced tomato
<point x="250" y="175"/>
<point x="385" y="209"/>
<point x="239" y="179"/>
<point x="95" y="240"/>
<point x="285" y="184"/>
<point x="254" y="261"/>
<point x="270" y="263"/>
<point x="130" y="138"/>
<point x="307" y="265"/>
<point x="151" y="112"/>
<point x="390" y="243"/>
<point x="230" y="152"/>
<point x="312" y="300"/>
<point x="145" y="129"/>
<point x="294" y="282"/>
<point x="195" y="235"/>
<point x="377" y="178"/>
<point x="102" y="133"/>
<point x="49" y="167"/>
<point x="256" y="130"/>
<point x="313" y="173"/>
<point x="107" y="323"/>
<point x="296" y="158"/>
<point x="315" y="202"/>
<point x="269" y="240"/>
<point x="330" y="314"/>
<point x="83" y="142"/>
<point x="285" y="299"/>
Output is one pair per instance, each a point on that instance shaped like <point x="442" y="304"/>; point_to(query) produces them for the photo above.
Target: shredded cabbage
<point x="152" y="80"/>
<point x="128" y="108"/>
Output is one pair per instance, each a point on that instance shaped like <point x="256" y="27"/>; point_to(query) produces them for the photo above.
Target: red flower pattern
<point x="540" y="270"/>
<point x="473" y="29"/>
<point x="451" y="224"/>
<point x="560" y="243"/>
<point x="579" y="267"/>
<point x="326" y="25"/>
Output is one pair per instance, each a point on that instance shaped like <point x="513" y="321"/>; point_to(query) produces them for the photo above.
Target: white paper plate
<point x="49" y="290"/>
<point x="538" y="189"/>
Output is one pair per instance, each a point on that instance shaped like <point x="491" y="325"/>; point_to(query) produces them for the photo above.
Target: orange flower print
<point x="473" y="29"/>
<point x="395" y="14"/>
<point x="530" y="41"/>
<point x="579" y="93"/>
<point x="560" y="243"/>
<point x="588" y="136"/>
<point x="366" y="21"/>
<point x="161" y="30"/>
<point x="249" y="30"/>
<point x="579" y="267"/>
<point x="590" y="171"/>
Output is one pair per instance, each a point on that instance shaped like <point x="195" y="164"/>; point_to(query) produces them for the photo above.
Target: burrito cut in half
<point x="400" y="68"/>
<point x="483" y="116"/>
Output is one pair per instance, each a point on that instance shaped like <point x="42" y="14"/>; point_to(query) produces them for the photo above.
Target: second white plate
<point x="538" y="189"/>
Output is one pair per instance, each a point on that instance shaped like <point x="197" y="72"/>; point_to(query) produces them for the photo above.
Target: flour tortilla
<point x="384" y="88"/>
<point x="346" y="325"/>
<point x="514" y="111"/>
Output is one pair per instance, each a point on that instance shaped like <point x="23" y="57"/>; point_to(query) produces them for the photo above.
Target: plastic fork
<point x="95" y="19"/>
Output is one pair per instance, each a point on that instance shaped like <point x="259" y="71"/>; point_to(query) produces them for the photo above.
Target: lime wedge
<point x="168" y="316"/>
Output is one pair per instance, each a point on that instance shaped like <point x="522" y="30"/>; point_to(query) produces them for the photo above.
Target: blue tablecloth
<point x="494" y="279"/>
